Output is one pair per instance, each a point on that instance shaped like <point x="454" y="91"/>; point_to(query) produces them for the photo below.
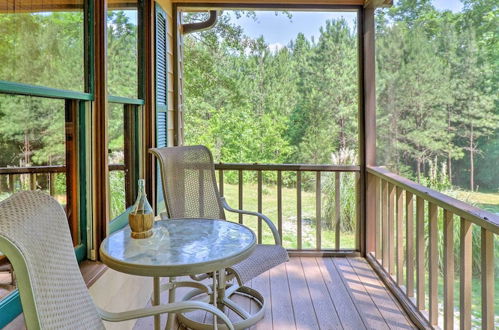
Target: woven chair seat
<point x="263" y="258"/>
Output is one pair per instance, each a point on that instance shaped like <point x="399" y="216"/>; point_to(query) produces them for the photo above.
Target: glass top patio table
<point x="179" y="247"/>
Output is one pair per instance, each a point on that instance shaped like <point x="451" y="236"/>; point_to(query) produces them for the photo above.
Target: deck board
<point x="305" y="315"/>
<point x="338" y="292"/>
<point x="316" y="293"/>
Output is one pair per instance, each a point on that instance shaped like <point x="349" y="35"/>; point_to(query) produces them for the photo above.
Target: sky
<point x="279" y="30"/>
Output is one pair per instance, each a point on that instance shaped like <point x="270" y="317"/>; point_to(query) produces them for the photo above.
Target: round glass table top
<point x="179" y="247"/>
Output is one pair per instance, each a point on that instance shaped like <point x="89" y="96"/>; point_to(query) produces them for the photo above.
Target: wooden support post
<point x="367" y="128"/>
<point x="100" y="116"/>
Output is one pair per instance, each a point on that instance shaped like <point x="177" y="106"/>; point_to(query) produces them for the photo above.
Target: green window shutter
<point x="161" y="44"/>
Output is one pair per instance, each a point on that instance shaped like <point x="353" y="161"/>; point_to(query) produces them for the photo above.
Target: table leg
<point x="221" y="289"/>
<point x="156" y="301"/>
<point x="171" y="299"/>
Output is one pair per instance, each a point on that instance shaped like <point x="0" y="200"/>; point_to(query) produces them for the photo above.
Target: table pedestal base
<point x="247" y="319"/>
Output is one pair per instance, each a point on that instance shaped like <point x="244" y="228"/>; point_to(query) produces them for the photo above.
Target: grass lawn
<point x="289" y="216"/>
<point x="486" y="201"/>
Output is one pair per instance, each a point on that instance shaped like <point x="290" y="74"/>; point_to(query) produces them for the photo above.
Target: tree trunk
<point x="449" y="167"/>
<point x="472" y="165"/>
<point x="418" y="170"/>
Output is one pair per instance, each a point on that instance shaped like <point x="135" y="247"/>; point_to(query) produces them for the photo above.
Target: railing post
<point x="298" y="211"/>
<point x="409" y="216"/>
<point x="465" y="278"/>
<point x="487" y="253"/>
<point x="384" y="225"/>
<point x="337" y="206"/>
<point x="279" y="202"/>
<point x="377" y="209"/>
<point x="400" y="236"/>
<point x="318" y="220"/>
<point x="391" y="229"/>
<point x="240" y="193"/>
<point x="260" y="192"/>
<point x="448" y="270"/>
<point x="420" y="241"/>
<point x="433" y="219"/>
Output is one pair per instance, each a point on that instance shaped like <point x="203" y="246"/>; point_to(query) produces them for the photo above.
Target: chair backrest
<point x="189" y="183"/>
<point x="34" y="235"/>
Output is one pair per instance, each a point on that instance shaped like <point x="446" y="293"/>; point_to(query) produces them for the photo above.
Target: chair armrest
<point x="175" y="307"/>
<point x="269" y="222"/>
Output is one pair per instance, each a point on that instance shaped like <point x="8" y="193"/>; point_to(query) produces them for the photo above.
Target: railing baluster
<point x="260" y="184"/>
<point x="337" y="178"/>
<point x="433" y="218"/>
<point x="221" y="181"/>
<point x="391" y="232"/>
<point x="420" y="241"/>
<point x="318" y="196"/>
<point x="487" y="252"/>
<point x="32" y="181"/>
<point x="400" y="236"/>
<point x="384" y="219"/>
<point x="465" y="278"/>
<point x="11" y="182"/>
<point x="409" y="233"/>
<point x="240" y="197"/>
<point x="378" y="206"/>
<point x="298" y="210"/>
<point x="279" y="202"/>
<point x="52" y="184"/>
<point x="448" y="270"/>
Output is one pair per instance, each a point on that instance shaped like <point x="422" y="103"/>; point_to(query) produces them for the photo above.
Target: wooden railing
<point x="313" y="173"/>
<point x="31" y="175"/>
<point x="407" y="241"/>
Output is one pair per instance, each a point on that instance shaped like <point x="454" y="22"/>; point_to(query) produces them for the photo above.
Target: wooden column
<point x="368" y="126"/>
<point x="99" y="126"/>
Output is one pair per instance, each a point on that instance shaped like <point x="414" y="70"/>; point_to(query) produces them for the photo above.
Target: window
<point x="42" y="47"/>
<point x="122" y="49"/>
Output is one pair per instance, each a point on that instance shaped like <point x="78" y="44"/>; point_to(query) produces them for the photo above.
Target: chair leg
<point x="171" y="299"/>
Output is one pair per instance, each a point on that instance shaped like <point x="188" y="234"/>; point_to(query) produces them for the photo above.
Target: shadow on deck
<point x="319" y="293"/>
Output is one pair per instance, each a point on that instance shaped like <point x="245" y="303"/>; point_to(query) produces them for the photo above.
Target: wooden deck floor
<point x="320" y="293"/>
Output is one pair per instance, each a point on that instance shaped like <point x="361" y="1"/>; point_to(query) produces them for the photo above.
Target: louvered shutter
<point x="161" y="94"/>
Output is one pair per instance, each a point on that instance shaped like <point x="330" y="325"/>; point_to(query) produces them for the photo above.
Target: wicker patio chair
<point x="190" y="191"/>
<point x="34" y="235"/>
